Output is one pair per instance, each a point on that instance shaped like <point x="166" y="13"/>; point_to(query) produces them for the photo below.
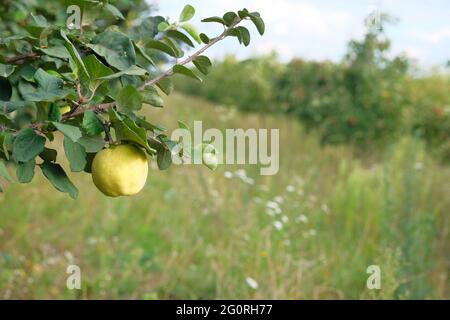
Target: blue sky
<point x="320" y="29"/>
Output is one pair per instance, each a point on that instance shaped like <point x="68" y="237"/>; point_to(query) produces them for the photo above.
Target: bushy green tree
<point x="248" y="85"/>
<point x="358" y="100"/>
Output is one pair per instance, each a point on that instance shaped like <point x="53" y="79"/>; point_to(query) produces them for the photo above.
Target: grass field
<point x="308" y="232"/>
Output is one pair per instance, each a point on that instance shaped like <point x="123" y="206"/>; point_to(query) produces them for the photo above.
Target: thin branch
<point x="20" y="58"/>
<point x="170" y="72"/>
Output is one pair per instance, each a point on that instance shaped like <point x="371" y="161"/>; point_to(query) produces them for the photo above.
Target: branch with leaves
<point x="91" y="85"/>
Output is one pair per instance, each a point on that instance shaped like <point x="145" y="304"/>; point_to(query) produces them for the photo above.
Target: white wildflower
<point x="228" y="174"/>
<point x="290" y="188"/>
<point x="252" y="283"/>
<point x="285" y="219"/>
<point x="278" y="225"/>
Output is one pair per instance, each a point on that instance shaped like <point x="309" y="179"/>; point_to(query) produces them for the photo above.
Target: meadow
<point x="309" y="232"/>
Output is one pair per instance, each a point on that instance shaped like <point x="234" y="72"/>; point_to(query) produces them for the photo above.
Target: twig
<point x="170" y="72"/>
<point x="21" y="57"/>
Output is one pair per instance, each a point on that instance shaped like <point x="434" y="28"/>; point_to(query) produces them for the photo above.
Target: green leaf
<point x="243" y="13"/>
<point x="258" y="22"/>
<point x="185" y="71"/>
<point x="229" y="18"/>
<point x="58" y="178"/>
<point x="25" y="171"/>
<point x="203" y="64"/>
<point x="57" y="52"/>
<point x="205" y="39"/>
<point x="127" y="130"/>
<point x="76" y="154"/>
<point x="214" y="19"/>
<point x="180" y="36"/>
<point x="72" y="132"/>
<point x="50" y="88"/>
<point x="131" y="71"/>
<point x="48" y="155"/>
<point x="6" y="70"/>
<point x="164" y="158"/>
<point x="161" y="46"/>
<point x="11" y="106"/>
<point x="163" y="26"/>
<point x="4" y="172"/>
<point x="116" y="48"/>
<point x="91" y="123"/>
<point x="245" y="35"/>
<point x="129" y="99"/>
<point x="114" y="11"/>
<point x="27" y="145"/>
<point x="187" y="13"/>
<point x="166" y="86"/>
<point x="143" y="54"/>
<point x="193" y="32"/>
<point x="75" y="55"/>
<point x="151" y="96"/>
<point x="235" y="32"/>
<point x="92" y="144"/>
<point x="95" y="67"/>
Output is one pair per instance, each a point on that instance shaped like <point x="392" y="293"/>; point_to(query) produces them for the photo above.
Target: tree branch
<point x="19" y="59"/>
<point x="170" y="72"/>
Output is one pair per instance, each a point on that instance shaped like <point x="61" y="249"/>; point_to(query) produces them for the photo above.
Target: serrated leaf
<point x="27" y="145"/>
<point x="129" y="99"/>
<point x="76" y="154"/>
<point x="58" y="178"/>
<point x="91" y="123"/>
<point x="203" y="64"/>
<point x="187" y="13"/>
<point x="180" y="69"/>
<point x="25" y="171"/>
<point x="4" y="172"/>
<point x="193" y="32"/>
<point x="72" y="132"/>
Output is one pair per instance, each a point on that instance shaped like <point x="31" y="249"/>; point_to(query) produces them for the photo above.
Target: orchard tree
<point x="85" y="68"/>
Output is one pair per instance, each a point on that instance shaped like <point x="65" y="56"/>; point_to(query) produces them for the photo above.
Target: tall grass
<point x="308" y="232"/>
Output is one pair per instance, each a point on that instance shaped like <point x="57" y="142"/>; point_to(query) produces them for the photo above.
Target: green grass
<point x="194" y="233"/>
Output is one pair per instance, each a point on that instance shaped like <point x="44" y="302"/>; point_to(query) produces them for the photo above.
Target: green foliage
<point x="103" y="65"/>
<point x="257" y="79"/>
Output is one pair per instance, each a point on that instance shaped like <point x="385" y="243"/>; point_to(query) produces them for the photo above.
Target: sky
<point x="321" y="29"/>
